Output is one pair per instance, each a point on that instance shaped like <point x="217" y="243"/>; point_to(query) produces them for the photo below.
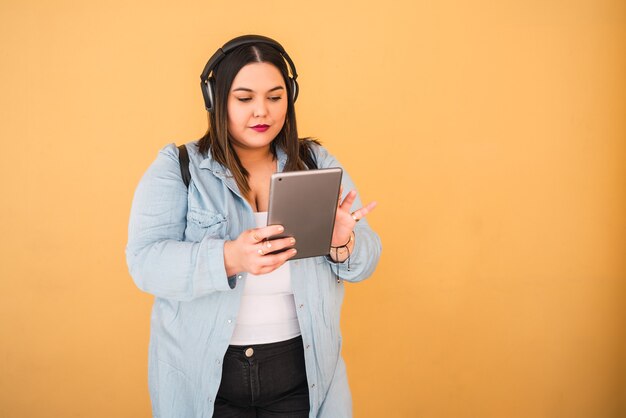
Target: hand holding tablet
<point x="306" y="218"/>
<point x="305" y="203"/>
<point x="308" y="204"/>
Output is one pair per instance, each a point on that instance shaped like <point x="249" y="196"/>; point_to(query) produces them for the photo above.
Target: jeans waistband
<point x="269" y="348"/>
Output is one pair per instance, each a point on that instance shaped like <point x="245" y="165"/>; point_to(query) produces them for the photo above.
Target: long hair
<point x="217" y="138"/>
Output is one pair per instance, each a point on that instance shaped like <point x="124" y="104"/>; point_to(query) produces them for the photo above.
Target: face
<point x="257" y="106"/>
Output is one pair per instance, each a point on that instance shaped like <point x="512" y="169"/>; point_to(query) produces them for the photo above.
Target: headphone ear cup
<point x="295" y="89"/>
<point x="210" y="95"/>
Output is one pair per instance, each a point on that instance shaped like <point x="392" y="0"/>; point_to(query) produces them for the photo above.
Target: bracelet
<point x="346" y="244"/>
<point x="338" y="252"/>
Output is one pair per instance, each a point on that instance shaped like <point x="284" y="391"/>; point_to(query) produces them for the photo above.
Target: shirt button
<point x="313" y="386"/>
<point x="230" y="321"/>
<point x="307" y="346"/>
<point x="218" y="361"/>
<point x="239" y="277"/>
<point x="249" y="352"/>
<point x="301" y="306"/>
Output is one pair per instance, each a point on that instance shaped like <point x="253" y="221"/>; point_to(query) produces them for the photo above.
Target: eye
<point x="275" y="98"/>
<point x="244" y="99"/>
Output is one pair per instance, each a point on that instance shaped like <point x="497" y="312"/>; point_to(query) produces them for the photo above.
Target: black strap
<point x="183" y="158"/>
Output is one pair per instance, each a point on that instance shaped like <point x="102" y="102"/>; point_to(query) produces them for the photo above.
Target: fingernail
<point x="292" y="241"/>
<point x="280" y="228"/>
<point x="293" y="251"/>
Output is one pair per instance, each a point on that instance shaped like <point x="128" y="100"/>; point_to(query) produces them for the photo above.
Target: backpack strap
<point x="183" y="158"/>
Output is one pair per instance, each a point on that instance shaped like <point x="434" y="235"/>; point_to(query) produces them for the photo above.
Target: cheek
<point x="234" y="117"/>
<point x="282" y="112"/>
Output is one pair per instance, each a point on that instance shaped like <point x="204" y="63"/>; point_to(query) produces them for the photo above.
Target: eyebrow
<point x="252" y="91"/>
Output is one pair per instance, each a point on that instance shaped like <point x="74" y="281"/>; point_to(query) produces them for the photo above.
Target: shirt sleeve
<point x="159" y="260"/>
<point x="367" y="246"/>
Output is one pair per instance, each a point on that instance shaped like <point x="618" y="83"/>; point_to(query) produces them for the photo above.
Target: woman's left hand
<point x="345" y="220"/>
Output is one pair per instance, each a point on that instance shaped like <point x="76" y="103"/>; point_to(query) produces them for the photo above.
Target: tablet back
<point x="305" y="203"/>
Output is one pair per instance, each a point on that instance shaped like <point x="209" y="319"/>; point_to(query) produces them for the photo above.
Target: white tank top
<point x="267" y="312"/>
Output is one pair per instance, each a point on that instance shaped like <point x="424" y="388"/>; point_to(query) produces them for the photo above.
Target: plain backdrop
<point x="492" y="134"/>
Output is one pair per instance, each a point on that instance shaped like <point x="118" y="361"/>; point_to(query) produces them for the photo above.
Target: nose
<point x="260" y="108"/>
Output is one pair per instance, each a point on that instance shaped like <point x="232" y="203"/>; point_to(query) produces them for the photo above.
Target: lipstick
<point x="261" y="128"/>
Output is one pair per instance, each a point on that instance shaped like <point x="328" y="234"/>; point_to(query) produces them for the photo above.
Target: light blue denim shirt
<point x="175" y="251"/>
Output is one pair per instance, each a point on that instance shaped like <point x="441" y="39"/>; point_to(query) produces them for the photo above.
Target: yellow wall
<point x="492" y="133"/>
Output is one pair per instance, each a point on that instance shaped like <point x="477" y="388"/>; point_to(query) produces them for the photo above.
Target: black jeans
<point x="264" y="380"/>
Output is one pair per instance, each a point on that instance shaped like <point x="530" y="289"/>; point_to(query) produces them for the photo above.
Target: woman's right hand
<point x="252" y="251"/>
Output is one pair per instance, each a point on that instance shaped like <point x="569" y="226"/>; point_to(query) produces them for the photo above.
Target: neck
<point x="251" y="157"/>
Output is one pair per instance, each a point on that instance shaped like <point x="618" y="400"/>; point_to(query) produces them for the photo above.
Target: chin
<point x="255" y="143"/>
<point x="262" y="140"/>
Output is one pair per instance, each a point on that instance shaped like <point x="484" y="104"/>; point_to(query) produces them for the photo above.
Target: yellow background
<point x="492" y="133"/>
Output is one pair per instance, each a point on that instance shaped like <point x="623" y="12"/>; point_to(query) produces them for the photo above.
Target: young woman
<point x="237" y="329"/>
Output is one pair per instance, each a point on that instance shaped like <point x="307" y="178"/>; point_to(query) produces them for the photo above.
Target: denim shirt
<point x="175" y="252"/>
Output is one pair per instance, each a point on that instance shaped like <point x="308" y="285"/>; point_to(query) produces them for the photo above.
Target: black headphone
<point x="207" y="82"/>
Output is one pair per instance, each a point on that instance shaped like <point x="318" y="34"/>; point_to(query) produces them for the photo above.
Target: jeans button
<point x="249" y="352"/>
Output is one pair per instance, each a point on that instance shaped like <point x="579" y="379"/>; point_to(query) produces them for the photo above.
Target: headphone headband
<point x="206" y="81"/>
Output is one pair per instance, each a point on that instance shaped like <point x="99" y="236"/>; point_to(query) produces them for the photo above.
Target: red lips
<point x="261" y="128"/>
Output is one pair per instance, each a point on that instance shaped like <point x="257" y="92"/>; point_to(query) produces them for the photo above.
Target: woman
<point x="236" y="329"/>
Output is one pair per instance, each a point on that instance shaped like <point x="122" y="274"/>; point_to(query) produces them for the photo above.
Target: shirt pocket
<point x="203" y="223"/>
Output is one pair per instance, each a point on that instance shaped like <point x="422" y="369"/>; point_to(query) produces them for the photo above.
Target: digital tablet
<point x="305" y="203"/>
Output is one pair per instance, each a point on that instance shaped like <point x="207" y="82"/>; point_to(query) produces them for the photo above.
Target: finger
<point x="372" y="205"/>
<point x="278" y="259"/>
<point x="367" y="209"/>
<point x="361" y="213"/>
<point x="271" y="262"/>
<point x="281" y="243"/>
<point x="254" y="236"/>
<point x="348" y="201"/>
<point x="260" y="234"/>
<point x="340" y="194"/>
<point x="271" y="247"/>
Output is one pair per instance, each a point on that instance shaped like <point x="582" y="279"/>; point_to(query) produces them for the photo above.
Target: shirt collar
<point x="219" y="170"/>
